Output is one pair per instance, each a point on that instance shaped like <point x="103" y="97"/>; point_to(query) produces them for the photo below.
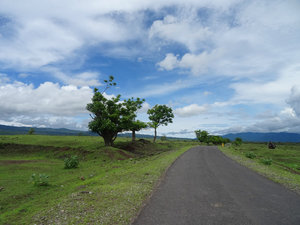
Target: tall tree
<point x="160" y="115"/>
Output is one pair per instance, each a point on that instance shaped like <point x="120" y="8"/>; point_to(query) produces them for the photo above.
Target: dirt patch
<point x="127" y="156"/>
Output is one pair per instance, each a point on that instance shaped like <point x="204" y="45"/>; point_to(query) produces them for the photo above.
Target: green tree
<point x="111" y="116"/>
<point x="202" y="136"/>
<point x="160" y="115"/>
<point x="106" y="116"/>
<point x="238" y="141"/>
<point x="129" y="120"/>
<point x="136" y="126"/>
<point x="163" y="138"/>
<point x="31" y="131"/>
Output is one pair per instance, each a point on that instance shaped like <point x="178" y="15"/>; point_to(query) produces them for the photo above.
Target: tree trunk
<point x="154" y="135"/>
<point x="109" y="139"/>
<point x="133" y="135"/>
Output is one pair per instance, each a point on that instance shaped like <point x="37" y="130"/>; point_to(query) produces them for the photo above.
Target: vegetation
<point x="109" y="187"/>
<point x="111" y="116"/>
<point x="250" y="155"/>
<point x="39" y="179"/>
<point x="238" y="141"/>
<point x="160" y="115"/>
<point x="204" y="137"/>
<point x="31" y="131"/>
<point x="71" y="162"/>
<point x="281" y="164"/>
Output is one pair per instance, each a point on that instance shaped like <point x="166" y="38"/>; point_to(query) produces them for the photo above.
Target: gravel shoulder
<point x="205" y="187"/>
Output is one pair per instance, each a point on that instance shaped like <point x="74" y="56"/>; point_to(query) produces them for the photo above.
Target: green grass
<point x="109" y="187"/>
<point x="282" y="164"/>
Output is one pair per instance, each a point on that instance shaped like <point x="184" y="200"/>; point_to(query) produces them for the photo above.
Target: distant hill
<point x="11" y="130"/>
<point x="265" y="137"/>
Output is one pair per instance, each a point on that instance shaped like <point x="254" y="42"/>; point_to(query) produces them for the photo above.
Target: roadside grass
<point x="281" y="165"/>
<point x="109" y="187"/>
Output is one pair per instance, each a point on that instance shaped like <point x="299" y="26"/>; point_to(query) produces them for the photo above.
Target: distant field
<point x="284" y="160"/>
<point x="109" y="186"/>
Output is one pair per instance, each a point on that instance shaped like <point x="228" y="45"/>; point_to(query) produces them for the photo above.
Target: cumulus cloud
<point x="239" y="44"/>
<point x="48" y="98"/>
<point x="294" y="100"/>
<point x="190" y="110"/>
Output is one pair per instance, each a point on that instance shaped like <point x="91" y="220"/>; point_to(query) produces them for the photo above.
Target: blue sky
<point x="223" y="66"/>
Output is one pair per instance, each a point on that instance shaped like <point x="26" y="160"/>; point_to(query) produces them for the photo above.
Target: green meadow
<point x="281" y="165"/>
<point x="109" y="186"/>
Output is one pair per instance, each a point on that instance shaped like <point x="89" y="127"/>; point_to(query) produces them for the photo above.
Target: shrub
<point x="163" y="138"/>
<point x="267" y="161"/>
<point x="250" y="155"/>
<point x="40" y="179"/>
<point x="71" y="162"/>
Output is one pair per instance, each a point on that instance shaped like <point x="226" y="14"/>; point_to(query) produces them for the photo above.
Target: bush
<point x="267" y="161"/>
<point x="71" y="162"/>
<point x="39" y="180"/>
<point x="250" y="155"/>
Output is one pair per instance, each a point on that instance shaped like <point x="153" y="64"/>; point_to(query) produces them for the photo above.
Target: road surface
<point x="203" y="186"/>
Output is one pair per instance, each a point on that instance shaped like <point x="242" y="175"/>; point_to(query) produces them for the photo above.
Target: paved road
<point x="205" y="187"/>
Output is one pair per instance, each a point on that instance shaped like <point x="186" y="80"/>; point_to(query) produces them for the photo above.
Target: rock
<point x="2" y="189"/>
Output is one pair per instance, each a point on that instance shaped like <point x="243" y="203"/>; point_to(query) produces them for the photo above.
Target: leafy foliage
<point x="250" y="155"/>
<point x="267" y="161"/>
<point x="111" y="116"/>
<point x="202" y="136"/>
<point x="160" y="115"/>
<point x="31" y="131"/>
<point x="39" y="179"/>
<point x="238" y="141"/>
<point x="163" y="138"/>
<point x="71" y="162"/>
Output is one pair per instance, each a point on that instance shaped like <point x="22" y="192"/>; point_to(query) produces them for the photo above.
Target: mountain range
<point x="246" y="136"/>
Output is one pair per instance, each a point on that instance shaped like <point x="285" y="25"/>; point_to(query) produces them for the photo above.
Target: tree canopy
<point x="111" y="116"/>
<point x="160" y="115"/>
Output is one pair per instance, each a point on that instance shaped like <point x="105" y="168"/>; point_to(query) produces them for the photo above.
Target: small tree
<point x="160" y="115"/>
<point x="129" y="121"/>
<point x="31" y="131"/>
<point x="163" y="138"/>
<point x="238" y="141"/>
<point x="136" y="126"/>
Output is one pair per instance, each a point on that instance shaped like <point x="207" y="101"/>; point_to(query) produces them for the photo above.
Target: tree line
<point x="111" y="116"/>
<point x="204" y="137"/>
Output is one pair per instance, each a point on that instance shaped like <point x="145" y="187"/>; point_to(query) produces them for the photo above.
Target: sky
<point x="223" y="66"/>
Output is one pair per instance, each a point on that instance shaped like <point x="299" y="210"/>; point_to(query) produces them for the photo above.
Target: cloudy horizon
<point x="223" y="66"/>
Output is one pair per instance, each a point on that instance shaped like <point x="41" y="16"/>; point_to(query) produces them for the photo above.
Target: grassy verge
<point x="284" y="162"/>
<point x="109" y="186"/>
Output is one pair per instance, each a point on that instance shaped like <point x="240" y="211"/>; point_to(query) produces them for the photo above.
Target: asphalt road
<point x="203" y="186"/>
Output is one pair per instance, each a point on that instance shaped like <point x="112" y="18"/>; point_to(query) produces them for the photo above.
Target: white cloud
<point x="241" y="42"/>
<point x="191" y="110"/>
<point x="294" y="100"/>
<point x="49" y="98"/>
<point x="169" y="63"/>
<point x="144" y="108"/>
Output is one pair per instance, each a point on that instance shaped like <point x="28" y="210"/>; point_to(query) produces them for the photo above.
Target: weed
<point x="71" y="162"/>
<point x="39" y="180"/>
<point x="267" y="161"/>
<point x="250" y="155"/>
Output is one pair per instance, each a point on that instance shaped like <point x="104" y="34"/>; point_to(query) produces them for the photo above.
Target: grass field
<point x="284" y="161"/>
<point x="109" y="186"/>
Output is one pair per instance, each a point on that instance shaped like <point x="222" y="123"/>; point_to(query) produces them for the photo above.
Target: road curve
<point x="203" y="186"/>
